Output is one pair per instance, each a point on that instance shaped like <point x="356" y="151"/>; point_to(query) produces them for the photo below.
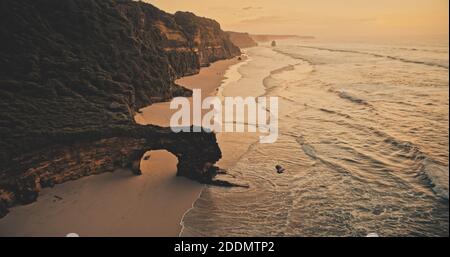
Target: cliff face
<point x="73" y="74"/>
<point x="189" y="41"/>
<point x="209" y="41"/>
<point x="242" y="40"/>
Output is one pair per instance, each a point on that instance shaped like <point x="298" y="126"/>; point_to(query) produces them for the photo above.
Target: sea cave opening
<point x="158" y="162"/>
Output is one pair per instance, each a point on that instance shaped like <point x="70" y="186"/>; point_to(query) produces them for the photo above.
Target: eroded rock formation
<point x="74" y="73"/>
<point x="73" y="159"/>
<point x="242" y="40"/>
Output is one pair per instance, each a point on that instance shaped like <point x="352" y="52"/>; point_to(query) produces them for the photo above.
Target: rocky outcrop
<point x="74" y="73"/>
<point x="189" y="42"/>
<point x="209" y="41"/>
<point x="73" y="159"/>
<point x="242" y="40"/>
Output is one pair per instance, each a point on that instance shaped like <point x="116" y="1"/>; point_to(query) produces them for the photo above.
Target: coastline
<point x="219" y="79"/>
<point x="209" y="80"/>
<point x="120" y="203"/>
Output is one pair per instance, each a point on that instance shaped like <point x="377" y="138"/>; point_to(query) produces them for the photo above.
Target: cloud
<point x="249" y="8"/>
<point x="266" y="19"/>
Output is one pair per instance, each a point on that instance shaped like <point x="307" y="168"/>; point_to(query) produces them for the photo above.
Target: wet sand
<point x="119" y="203"/>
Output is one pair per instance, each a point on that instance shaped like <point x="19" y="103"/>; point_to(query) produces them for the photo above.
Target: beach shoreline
<point x="119" y="203"/>
<point x="208" y="80"/>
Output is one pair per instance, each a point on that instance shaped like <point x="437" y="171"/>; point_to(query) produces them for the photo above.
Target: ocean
<point x="363" y="136"/>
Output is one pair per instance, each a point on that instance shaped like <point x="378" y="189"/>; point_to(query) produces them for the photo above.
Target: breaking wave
<point x="381" y="56"/>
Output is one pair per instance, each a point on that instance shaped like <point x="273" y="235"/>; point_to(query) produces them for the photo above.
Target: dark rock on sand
<point x="280" y="169"/>
<point x="3" y="209"/>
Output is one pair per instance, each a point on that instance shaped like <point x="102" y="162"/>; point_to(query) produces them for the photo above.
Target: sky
<point x="323" y="18"/>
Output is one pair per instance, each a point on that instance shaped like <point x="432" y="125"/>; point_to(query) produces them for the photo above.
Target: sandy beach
<point x="120" y="203"/>
<point x="232" y="145"/>
<point x="208" y="80"/>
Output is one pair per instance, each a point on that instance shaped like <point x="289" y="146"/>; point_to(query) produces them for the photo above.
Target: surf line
<point x="233" y="111"/>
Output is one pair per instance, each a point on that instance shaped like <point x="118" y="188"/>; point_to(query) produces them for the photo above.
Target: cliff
<point x="74" y="73"/>
<point x="242" y="40"/>
<point x="209" y="41"/>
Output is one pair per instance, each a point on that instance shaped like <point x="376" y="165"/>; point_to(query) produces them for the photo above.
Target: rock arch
<point x="97" y="152"/>
<point x="196" y="152"/>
